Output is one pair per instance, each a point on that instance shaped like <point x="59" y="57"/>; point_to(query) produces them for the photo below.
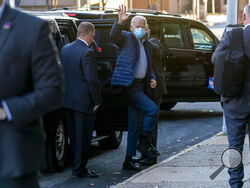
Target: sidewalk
<point x="190" y="169"/>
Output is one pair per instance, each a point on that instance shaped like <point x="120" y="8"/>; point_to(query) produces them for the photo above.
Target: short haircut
<point x="85" y="28"/>
<point x="138" y="17"/>
<point x="247" y="11"/>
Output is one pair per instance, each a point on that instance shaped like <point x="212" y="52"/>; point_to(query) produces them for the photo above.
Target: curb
<point x="165" y="161"/>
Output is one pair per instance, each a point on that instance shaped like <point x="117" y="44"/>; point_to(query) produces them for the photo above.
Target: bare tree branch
<point x="104" y="3"/>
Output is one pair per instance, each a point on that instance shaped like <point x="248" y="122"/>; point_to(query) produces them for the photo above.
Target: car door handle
<point x="202" y="59"/>
<point x="170" y="57"/>
<point x="205" y="52"/>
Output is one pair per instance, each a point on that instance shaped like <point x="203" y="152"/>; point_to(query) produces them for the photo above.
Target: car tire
<point x="112" y="142"/>
<point x="167" y="106"/>
<point x="57" y="148"/>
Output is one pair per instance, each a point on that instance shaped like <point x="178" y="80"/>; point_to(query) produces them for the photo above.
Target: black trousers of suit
<point x="80" y="127"/>
<point x="28" y="180"/>
<point x="157" y="101"/>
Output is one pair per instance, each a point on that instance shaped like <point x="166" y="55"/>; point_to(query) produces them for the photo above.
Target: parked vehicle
<point x="187" y="48"/>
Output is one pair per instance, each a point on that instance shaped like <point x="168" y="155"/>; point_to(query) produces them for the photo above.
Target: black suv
<point x="187" y="48"/>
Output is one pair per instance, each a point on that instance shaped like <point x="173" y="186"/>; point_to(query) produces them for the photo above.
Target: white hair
<point x="247" y="11"/>
<point x="138" y="18"/>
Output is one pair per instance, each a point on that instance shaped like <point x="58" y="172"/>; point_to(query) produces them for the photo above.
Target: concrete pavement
<point x="190" y="168"/>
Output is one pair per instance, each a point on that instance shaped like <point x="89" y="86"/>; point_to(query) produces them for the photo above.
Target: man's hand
<point x="96" y="107"/>
<point x="153" y="83"/>
<point x="122" y="16"/>
<point x="3" y="114"/>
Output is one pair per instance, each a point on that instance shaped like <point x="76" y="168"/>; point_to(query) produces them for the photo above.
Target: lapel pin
<point x="6" y="25"/>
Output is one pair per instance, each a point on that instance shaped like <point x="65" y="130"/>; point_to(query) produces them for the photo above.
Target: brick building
<point x="169" y="6"/>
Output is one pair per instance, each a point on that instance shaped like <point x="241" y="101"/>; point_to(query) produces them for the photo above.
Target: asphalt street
<point x="185" y="125"/>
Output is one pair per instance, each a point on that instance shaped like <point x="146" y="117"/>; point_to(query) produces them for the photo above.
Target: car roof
<point x="109" y="11"/>
<point x="111" y="14"/>
<point x="50" y="15"/>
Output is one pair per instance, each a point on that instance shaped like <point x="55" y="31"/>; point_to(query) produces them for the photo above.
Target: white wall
<point x="116" y="3"/>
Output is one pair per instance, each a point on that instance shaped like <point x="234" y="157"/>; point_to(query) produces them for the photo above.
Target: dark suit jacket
<point x="224" y="44"/>
<point x="161" y="88"/>
<point x="81" y="79"/>
<point x="31" y="85"/>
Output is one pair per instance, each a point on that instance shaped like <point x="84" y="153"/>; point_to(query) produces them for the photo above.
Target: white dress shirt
<point x="143" y="62"/>
<point x="83" y="41"/>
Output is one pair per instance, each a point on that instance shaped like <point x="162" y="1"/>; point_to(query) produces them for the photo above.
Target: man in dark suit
<point x="134" y="72"/>
<point x="82" y="96"/>
<point x="237" y="111"/>
<point x="161" y="88"/>
<point x="30" y="86"/>
<point x="159" y="91"/>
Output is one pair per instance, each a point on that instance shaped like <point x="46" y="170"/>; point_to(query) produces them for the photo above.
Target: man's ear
<point x="131" y="28"/>
<point x="244" y="16"/>
<point x="91" y="34"/>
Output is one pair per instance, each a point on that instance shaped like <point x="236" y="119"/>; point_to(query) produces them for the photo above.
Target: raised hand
<point x="122" y="16"/>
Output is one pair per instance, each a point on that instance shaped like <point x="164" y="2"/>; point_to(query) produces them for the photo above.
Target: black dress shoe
<point x="148" y="162"/>
<point x="130" y="165"/>
<point x="152" y="153"/>
<point x="89" y="173"/>
<point x="137" y="160"/>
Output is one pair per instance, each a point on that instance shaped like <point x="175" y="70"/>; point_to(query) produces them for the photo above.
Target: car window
<point x="173" y="36"/>
<point x="102" y="35"/>
<point x="155" y="29"/>
<point x="67" y="33"/>
<point x="201" y="39"/>
<point x="66" y="36"/>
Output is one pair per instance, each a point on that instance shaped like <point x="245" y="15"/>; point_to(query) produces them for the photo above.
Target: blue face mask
<point x="139" y="32"/>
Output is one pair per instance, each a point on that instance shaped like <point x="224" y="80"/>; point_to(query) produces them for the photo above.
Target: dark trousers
<point x="157" y="101"/>
<point x="237" y="114"/>
<point x="28" y="180"/>
<point x="139" y="103"/>
<point x="80" y="127"/>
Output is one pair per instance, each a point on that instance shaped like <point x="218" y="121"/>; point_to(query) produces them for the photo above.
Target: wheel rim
<point x="60" y="141"/>
<point x="118" y="134"/>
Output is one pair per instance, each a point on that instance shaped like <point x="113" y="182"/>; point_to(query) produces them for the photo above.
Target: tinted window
<point x="67" y="29"/>
<point x="201" y="39"/>
<point x="173" y="36"/>
<point x="155" y="29"/>
<point x="67" y="36"/>
<point x="102" y="34"/>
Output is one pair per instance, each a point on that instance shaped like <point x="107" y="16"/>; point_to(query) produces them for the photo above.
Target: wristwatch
<point x="3" y="114"/>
